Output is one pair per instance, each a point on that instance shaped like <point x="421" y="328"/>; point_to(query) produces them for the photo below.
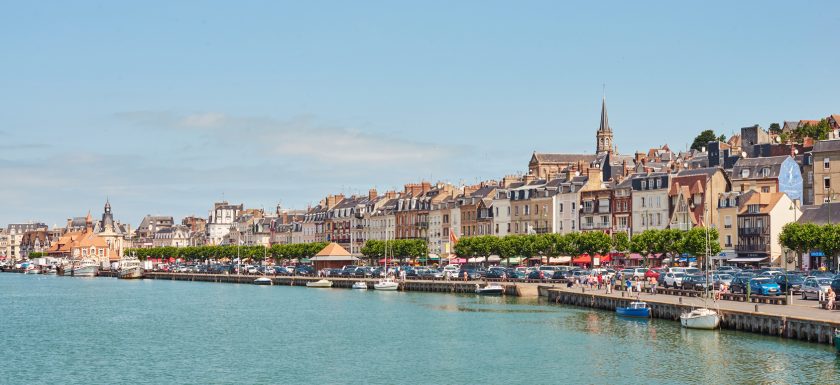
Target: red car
<point x="653" y="273"/>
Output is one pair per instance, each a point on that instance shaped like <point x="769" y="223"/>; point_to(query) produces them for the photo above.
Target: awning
<point x="434" y="257"/>
<point x="585" y="258"/>
<point x="817" y="253"/>
<point x="477" y="260"/>
<point x="747" y="260"/>
<point x="511" y="261"/>
<point x="559" y="259"/>
<point x="493" y="258"/>
<point x="457" y="260"/>
<point x="725" y="256"/>
<point x="382" y="260"/>
<point x="636" y="257"/>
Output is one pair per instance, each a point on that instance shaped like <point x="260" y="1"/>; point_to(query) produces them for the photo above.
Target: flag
<point x="452" y="238"/>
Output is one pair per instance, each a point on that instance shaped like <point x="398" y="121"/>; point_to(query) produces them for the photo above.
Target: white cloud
<point x="203" y="120"/>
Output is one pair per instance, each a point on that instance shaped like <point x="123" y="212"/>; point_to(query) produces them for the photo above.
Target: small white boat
<point x="33" y="270"/>
<point x="50" y="271"/>
<point x="702" y="318"/>
<point x="263" y="281"/>
<point x="387" y="284"/>
<point x="490" y="289"/>
<point x="321" y="283"/>
<point x="360" y="285"/>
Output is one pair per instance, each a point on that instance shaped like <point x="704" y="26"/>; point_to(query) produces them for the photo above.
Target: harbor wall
<point x="804" y="329"/>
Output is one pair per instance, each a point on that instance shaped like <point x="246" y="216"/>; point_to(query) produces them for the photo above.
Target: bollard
<point x="582" y="289"/>
<point x="756" y="308"/>
<point x="622" y="294"/>
<point x="680" y="299"/>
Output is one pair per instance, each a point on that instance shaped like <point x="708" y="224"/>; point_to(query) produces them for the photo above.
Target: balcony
<point x="754" y="231"/>
<point x="760" y="248"/>
<point x="594" y="226"/>
<point x="359" y="226"/>
<point x="422" y="225"/>
<point x="542" y="230"/>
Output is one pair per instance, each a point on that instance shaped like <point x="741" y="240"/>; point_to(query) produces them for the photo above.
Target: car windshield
<point x="761" y="280"/>
<point x="724" y="276"/>
<point x="824" y="281"/>
<point x="679" y="274"/>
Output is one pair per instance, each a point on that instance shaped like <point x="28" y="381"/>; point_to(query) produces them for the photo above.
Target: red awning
<point x="457" y="260"/>
<point x="604" y="258"/>
<point x="585" y="258"/>
<point x="390" y="260"/>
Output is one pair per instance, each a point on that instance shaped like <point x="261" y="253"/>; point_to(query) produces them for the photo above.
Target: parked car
<point x="789" y="282"/>
<point x="764" y="286"/>
<point x="451" y="270"/>
<point x="304" y="270"/>
<point x="694" y="282"/>
<point x="514" y="274"/>
<point x="812" y="287"/>
<point x="673" y="279"/>
<point x="835" y="284"/>
<point x="721" y="278"/>
<point x="496" y="273"/>
<point x="727" y="269"/>
<point x="562" y="274"/>
<point x="739" y="284"/>
<point x="548" y="271"/>
<point x="536" y="274"/>
<point x="653" y="273"/>
<point x="472" y="273"/>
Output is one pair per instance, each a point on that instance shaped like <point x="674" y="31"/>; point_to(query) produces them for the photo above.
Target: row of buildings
<point x="747" y="187"/>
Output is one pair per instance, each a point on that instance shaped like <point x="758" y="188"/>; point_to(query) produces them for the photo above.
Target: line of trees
<point x="398" y="248"/>
<point x="804" y="237"/>
<point x="669" y="241"/>
<point x="193" y="253"/>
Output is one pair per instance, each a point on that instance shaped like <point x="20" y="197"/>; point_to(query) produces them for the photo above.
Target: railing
<point x="762" y="248"/>
<point x="542" y="230"/>
<point x="422" y="225"/>
<point x="753" y="230"/>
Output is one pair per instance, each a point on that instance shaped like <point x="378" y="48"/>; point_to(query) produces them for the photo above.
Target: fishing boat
<point x="264" y="281"/>
<point x="636" y="309"/>
<point x="702" y="318"/>
<point x="33" y="269"/>
<point x="84" y="268"/>
<point x="130" y="268"/>
<point x="320" y="283"/>
<point x="490" y="289"/>
<point x="360" y="285"/>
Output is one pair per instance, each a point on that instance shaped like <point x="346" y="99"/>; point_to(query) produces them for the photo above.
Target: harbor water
<point x="62" y="330"/>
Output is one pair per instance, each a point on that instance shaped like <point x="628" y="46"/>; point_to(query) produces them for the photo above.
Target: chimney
<point x="530" y="178"/>
<point x="372" y="194"/>
<point x="639" y="157"/>
<point x="426" y="186"/>
<point x="391" y="194"/>
<point x="595" y="174"/>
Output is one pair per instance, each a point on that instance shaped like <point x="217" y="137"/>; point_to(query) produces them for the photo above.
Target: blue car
<point x="764" y="286"/>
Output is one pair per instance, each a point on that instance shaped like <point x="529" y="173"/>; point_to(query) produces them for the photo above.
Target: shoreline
<point x="787" y="321"/>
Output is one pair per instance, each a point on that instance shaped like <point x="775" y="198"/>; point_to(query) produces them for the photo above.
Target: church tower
<point x="107" y="218"/>
<point x="604" y="137"/>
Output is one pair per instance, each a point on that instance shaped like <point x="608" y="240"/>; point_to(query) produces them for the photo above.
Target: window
<point x="573" y="224"/>
<point x="527" y="209"/>
<point x="727" y="222"/>
<point x="745" y="173"/>
<point x="644" y="220"/>
<point x="536" y="209"/>
<point x="573" y="206"/>
<point x="765" y="189"/>
<point x="658" y="219"/>
<point x="561" y="207"/>
<point x="545" y="209"/>
<point x="508" y="227"/>
<point x="826" y="183"/>
<point x="643" y="202"/>
<point x="765" y="172"/>
<point x="517" y="211"/>
<point x="728" y="241"/>
<point x="826" y="163"/>
<point x="644" y="184"/>
<point x="497" y="214"/>
<point x="810" y="177"/>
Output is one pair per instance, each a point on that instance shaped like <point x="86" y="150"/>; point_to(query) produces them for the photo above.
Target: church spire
<point x="605" y="121"/>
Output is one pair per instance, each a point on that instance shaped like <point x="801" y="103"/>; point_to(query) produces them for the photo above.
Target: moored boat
<point x="361" y="285"/>
<point x="702" y="318"/>
<point x="130" y="268"/>
<point x="636" y="309"/>
<point x="263" y="281"/>
<point x="84" y="268"/>
<point x="490" y="289"/>
<point x="386" y="284"/>
<point x="320" y="283"/>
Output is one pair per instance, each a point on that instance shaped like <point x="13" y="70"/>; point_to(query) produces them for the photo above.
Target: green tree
<point x="775" y="128"/>
<point x="817" y="131"/>
<point x="703" y="139"/>
<point x="621" y="242"/>
<point x="829" y="243"/>
<point x="697" y="242"/>
<point x="800" y="237"/>
<point x="594" y="242"/>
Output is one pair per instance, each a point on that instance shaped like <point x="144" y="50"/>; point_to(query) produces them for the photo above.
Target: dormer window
<point x="745" y="173"/>
<point x="752" y="209"/>
<point x="765" y="172"/>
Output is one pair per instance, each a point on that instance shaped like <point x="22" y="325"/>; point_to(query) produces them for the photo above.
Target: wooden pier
<point x="788" y="321"/>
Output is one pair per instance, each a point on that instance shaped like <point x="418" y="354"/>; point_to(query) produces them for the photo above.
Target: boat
<point x="702" y="318"/>
<point x="321" y="283"/>
<point x="33" y="270"/>
<point x="360" y="285"/>
<point x="85" y="268"/>
<point x="130" y="268"/>
<point x="51" y="271"/>
<point x="263" y="281"/>
<point x="387" y="283"/>
<point x="490" y="289"/>
<point x="636" y="309"/>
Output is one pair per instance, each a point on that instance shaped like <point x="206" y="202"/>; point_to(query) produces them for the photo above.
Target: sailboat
<point x="387" y="283"/>
<point x="264" y="280"/>
<point x="702" y="318"/>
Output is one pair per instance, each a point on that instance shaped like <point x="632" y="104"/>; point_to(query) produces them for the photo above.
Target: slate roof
<point x="755" y="165"/>
<point x="564" y="158"/>
<point x="827" y="145"/>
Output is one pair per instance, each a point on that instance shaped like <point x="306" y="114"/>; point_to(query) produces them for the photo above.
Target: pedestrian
<point x="629" y="285"/>
<point x="638" y="286"/>
<point x="653" y="285"/>
<point x="600" y="280"/>
<point x="831" y="295"/>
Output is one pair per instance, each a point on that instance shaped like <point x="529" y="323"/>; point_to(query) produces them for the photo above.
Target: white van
<point x="451" y="270"/>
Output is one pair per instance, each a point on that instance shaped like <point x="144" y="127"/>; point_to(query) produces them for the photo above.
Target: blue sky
<point x="166" y="106"/>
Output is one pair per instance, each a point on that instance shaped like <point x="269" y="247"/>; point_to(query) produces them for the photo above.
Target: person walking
<point x="831" y="296"/>
<point x="653" y="284"/>
<point x="600" y="280"/>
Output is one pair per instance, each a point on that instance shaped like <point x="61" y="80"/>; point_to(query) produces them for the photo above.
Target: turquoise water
<point x="61" y="330"/>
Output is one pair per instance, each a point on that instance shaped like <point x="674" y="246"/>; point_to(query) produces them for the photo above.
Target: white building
<point x="650" y="201"/>
<point x="220" y="220"/>
<point x="501" y="213"/>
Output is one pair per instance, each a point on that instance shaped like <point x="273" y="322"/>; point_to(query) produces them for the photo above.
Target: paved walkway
<point x="798" y="308"/>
